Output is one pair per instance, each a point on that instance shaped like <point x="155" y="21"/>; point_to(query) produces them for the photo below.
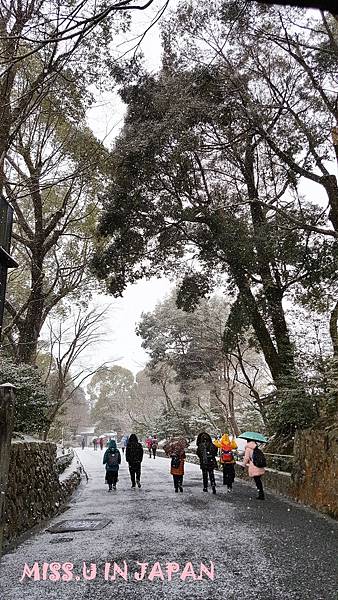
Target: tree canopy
<point x="209" y="168"/>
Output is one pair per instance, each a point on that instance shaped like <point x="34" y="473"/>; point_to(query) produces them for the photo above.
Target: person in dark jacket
<point x="112" y="460"/>
<point x="154" y="445"/>
<point x="134" y="456"/>
<point x="206" y="452"/>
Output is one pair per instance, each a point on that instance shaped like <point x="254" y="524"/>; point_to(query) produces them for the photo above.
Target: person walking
<point x="175" y="449"/>
<point x="206" y="452"/>
<point x="154" y="445"/>
<point x="177" y="469"/>
<point x="227" y="459"/>
<point x="124" y="442"/>
<point x="254" y="459"/>
<point x="83" y="443"/>
<point x="134" y="457"/>
<point x="95" y="443"/>
<point x="148" y="444"/>
<point x="112" y="460"/>
<point x="101" y="443"/>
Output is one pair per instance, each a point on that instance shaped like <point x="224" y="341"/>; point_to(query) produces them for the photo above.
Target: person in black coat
<point x="206" y="452"/>
<point x="134" y="456"/>
<point x="112" y="460"/>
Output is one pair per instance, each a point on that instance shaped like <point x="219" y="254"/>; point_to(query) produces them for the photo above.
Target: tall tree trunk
<point x="218" y="226"/>
<point x="31" y="326"/>
<point x="262" y="333"/>
<point x="267" y="270"/>
<point x="334" y="330"/>
<point x="331" y="187"/>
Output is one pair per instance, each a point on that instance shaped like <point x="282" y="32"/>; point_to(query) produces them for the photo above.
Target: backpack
<point x="154" y="444"/>
<point x="211" y="461"/>
<point x="175" y="461"/>
<point x="113" y="459"/>
<point x="258" y="458"/>
<point x="227" y="456"/>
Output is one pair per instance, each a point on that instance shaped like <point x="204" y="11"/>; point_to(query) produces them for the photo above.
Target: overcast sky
<point x="106" y="119"/>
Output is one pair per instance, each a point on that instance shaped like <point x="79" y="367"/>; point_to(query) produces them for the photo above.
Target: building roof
<point x="87" y="431"/>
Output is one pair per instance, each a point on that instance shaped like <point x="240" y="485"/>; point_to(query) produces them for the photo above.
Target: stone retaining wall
<point x="63" y="461"/>
<point x="314" y="476"/>
<point x="34" y="491"/>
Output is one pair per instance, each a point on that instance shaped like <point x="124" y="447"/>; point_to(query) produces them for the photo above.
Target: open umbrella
<point x="252" y="435"/>
<point x="175" y="445"/>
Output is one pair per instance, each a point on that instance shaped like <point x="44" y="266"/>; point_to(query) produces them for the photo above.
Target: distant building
<point x="88" y="433"/>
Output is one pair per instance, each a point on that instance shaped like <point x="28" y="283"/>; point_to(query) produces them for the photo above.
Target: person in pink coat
<point x="253" y="471"/>
<point x="149" y="441"/>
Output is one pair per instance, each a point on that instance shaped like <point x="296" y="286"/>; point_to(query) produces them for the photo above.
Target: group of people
<point x="207" y="450"/>
<point x="95" y="441"/>
<point x="112" y="460"/>
<point x="152" y="445"/>
<point x="98" y="442"/>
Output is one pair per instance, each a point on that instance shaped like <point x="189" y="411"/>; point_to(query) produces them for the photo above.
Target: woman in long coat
<point x="112" y="460"/>
<point x="253" y="471"/>
<point x="134" y="457"/>
<point x="177" y="471"/>
<point x="206" y="452"/>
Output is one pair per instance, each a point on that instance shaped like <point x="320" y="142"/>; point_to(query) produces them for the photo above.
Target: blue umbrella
<point x="252" y="435"/>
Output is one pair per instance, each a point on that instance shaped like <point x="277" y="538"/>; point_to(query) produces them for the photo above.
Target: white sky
<point x="121" y="345"/>
<point x="106" y="120"/>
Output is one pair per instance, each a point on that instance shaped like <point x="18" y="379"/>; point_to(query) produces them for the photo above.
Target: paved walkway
<point x="272" y="550"/>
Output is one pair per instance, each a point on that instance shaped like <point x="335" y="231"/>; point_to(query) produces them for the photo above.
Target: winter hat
<point x="112" y="444"/>
<point x="203" y="437"/>
<point x="225" y="440"/>
<point x="133" y="439"/>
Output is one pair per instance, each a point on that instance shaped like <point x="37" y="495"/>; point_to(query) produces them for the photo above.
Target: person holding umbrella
<point x="175" y="450"/>
<point x="254" y="459"/>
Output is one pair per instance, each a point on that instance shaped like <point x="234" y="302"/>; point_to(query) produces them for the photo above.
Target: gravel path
<point x="272" y="550"/>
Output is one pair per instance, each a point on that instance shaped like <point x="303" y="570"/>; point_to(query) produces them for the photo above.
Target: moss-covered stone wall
<point x="34" y="492"/>
<point x="314" y="477"/>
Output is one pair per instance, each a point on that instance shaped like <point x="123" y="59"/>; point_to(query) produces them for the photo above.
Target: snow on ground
<point x="272" y="550"/>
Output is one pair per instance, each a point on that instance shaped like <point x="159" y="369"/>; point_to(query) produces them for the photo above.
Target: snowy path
<point x="272" y="550"/>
